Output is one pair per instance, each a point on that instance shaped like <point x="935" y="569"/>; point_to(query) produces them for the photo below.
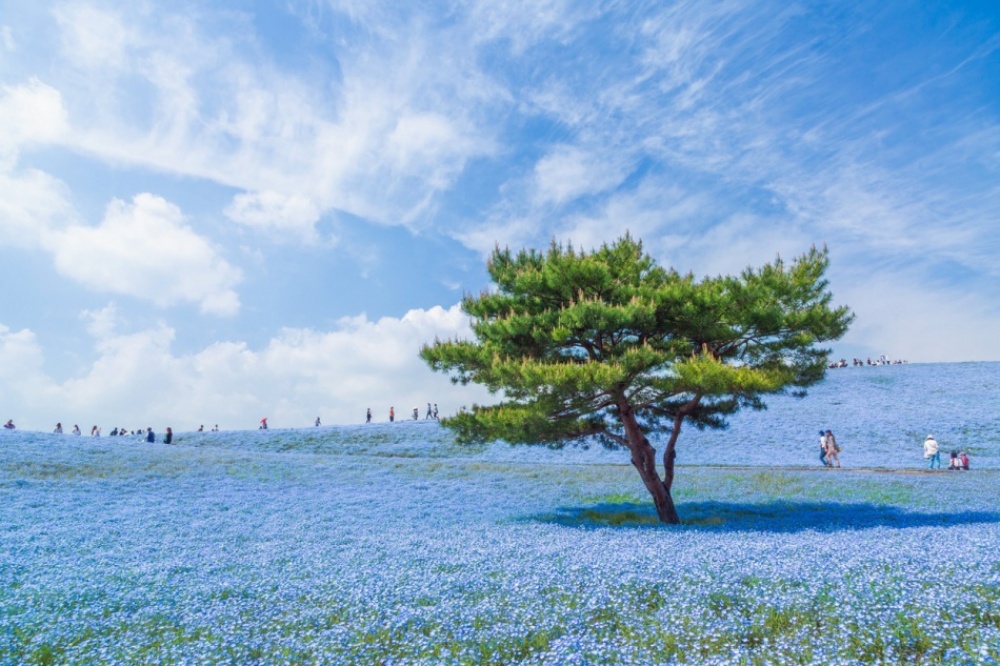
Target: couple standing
<point x="828" y="449"/>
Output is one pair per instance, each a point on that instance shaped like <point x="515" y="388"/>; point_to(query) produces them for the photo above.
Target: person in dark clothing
<point x="368" y="416"/>
<point x="150" y="435"/>
<point x="169" y="437"/>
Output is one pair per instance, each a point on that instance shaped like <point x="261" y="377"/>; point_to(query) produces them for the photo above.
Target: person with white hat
<point x="931" y="451"/>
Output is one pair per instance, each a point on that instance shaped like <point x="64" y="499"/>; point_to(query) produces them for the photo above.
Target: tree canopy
<point x="608" y="344"/>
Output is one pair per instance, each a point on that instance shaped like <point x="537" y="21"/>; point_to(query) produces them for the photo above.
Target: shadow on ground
<point x="783" y="516"/>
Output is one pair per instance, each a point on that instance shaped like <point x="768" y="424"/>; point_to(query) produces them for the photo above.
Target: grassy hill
<point x="390" y="544"/>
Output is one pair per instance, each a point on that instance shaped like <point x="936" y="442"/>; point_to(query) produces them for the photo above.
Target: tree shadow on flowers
<point x="777" y="516"/>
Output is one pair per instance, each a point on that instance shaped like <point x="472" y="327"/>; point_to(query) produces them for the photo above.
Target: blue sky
<point x="212" y="212"/>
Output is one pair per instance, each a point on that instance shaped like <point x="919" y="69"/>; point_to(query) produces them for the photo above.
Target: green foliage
<point x="571" y="340"/>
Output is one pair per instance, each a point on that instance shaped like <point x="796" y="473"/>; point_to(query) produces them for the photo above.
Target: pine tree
<point x="608" y="344"/>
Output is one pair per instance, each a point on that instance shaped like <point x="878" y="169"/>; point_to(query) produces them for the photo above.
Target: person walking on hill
<point x="822" y="449"/>
<point x="932" y="452"/>
<point x="392" y="414"/>
<point x="368" y="415"/>
<point x="832" y="449"/>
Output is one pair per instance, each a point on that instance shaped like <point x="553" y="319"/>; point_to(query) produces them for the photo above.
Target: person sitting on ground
<point x="169" y="437"/>
<point x="201" y="428"/>
<point x="114" y="432"/>
<point x="10" y="425"/>
<point x="95" y="432"/>
<point x="58" y="429"/>
<point x="76" y="429"/>
<point x="150" y="435"/>
<point x="964" y="459"/>
<point x="954" y="463"/>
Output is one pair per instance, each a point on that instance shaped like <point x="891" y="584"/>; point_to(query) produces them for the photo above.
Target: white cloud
<point x="31" y="112"/>
<point x="429" y="143"/>
<point x="526" y="22"/>
<point x="568" y="172"/>
<point x="32" y="203"/>
<point x="21" y="357"/>
<point x="24" y="386"/>
<point x="294" y="214"/>
<point x="145" y="250"/>
<point x="101" y="324"/>
<point x="92" y="37"/>
<point x="136" y="379"/>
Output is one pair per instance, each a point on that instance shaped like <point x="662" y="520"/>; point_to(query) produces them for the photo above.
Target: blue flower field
<point x="389" y="544"/>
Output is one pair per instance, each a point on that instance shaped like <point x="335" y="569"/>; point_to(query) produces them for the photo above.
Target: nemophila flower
<point x="407" y="549"/>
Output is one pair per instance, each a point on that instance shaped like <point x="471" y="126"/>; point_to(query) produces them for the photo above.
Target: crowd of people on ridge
<point x="432" y="413"/>
<point x="95" y="431"/>
<point x="881" y="360"/>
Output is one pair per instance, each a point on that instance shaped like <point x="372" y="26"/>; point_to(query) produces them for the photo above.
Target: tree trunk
<point x="644" y="460"/>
